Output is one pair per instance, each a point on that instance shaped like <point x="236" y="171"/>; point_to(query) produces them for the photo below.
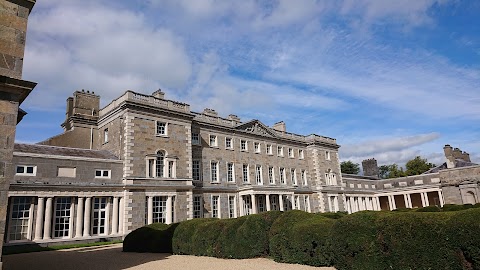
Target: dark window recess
<point x="105" y="173"/>
<point x="29" y="169"/>
<point x="98" y="173"/>
<point x="20" y="169"/>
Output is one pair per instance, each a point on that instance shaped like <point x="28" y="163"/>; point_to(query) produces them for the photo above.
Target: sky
<point x="389" y="80"/>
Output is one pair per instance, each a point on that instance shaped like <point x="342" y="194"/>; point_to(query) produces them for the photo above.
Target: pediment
<point x="256" y="127"/>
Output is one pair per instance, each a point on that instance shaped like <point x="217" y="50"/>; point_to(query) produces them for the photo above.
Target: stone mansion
<point x="143" y="159"/>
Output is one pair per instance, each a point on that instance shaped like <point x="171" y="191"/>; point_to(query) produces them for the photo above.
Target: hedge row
<point x="364" y="240"/>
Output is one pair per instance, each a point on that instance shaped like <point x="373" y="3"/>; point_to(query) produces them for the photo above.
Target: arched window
<point x="160" y="164"/>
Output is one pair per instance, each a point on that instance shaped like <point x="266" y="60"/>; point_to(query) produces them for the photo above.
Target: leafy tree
<point x="350" y="167"/>
<point x="391" y="171"/>
<point x="418" y="166"/>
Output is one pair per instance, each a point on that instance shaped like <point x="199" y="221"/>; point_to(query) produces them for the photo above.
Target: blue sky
<point x="387" y="79"/>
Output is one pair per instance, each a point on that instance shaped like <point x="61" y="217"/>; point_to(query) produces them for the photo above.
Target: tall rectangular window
<point x="19" y="225"/>
<point x="327" y="155"/>
<point x="231" y="206"/>
<point x="99" y="216"/>
<point x="195" y="138"/>
<point x="280" y="151"/>
<point x="301" y="154"/>
<point x="230" y="172"/>
<point x="160" y="209"/>
<point x="294" y="176"/>
<point x="304" y="177"/>
<point x="105" y="135"/>
<point x="256" y="146"/>
<point x="197" y="206"/>
<point x="161" y="128"/>
<point x="282" y="175"/>
<point x="290" y="152"/>
<point x="258" y="175"/>
<point x="271" y="176"/>
<point x="245" y="173"/>
<point x="213" y="141"/>
<point x="243" y="145"/>
<point x="171" y="169"/>
<point x="196" y="169"/>
<point x="269" y="149"/>
<point x="247" y="204"/>
<point x="62" y="217"/>
<point x="215" y="206"/>
<point x="214" y="171"/>
<point x="228" y="143"/>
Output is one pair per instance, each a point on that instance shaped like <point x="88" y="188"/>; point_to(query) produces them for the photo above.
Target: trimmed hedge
<point x="156" y="237"/>
<point x="300" y="237"/>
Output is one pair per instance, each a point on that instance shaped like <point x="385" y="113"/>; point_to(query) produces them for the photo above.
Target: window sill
<point x="216" y="182"/>
<point x="244" y="150"/>
<point x="231" y="149"/>
<point x="257" y="153"/>
<point x="161" y="135"/>
<point x="214" y="146"/>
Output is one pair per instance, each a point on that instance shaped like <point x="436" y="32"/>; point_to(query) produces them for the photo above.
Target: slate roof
<point x="459" y="163"/>
<point x="63" y="151"/>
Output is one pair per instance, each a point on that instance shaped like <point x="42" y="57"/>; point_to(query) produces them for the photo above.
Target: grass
<point x="8" y="250"/>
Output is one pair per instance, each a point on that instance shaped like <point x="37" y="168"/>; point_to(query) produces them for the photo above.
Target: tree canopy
<point x="349" y="167"/>
<point x="414" y="166"/>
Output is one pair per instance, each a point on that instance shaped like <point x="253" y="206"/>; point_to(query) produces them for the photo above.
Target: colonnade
<point x="252" y="203"/>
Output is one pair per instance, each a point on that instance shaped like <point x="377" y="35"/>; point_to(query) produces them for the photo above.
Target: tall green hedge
<point x="300" y="237"/>
<point x="156" y="237"/>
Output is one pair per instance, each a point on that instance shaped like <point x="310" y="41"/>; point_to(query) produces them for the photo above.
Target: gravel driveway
<point x="112" y="257"/>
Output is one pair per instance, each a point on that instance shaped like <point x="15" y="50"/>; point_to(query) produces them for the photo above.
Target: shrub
<point x="156" y="237"/>
<point x="300" y="237"/>
<point x="456" y="207"/>
<point x="183" y="237"/>
<point x="431" y="208"/>
<point x="463" y="237"/>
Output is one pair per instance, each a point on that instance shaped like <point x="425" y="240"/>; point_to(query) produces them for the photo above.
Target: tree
<point x="418" y="166"/>
<point x="391" y="171"/>
<point x="350" y="167"/>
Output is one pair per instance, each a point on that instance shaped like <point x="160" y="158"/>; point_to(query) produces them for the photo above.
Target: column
<point x="308" y="205"/>
<point x="267" y="201"/>
<point x="39" y="218"/>
<point x="335" y="204"/>
<point x="121" y="215"/>
<point x="242" y="206"/>
<point x="79" y="221"/>
<point x="405" y="199"/>
<point x="280" y="202"/>
<point x="254" y="204"/>
<point x="115" y="216"/>
<point x="352" y="204"/>
<point x="86" y="219"/>
<point x="329" y="199"/>
<point x="169" y="210"/>
<point x="107" y="217"/>
<point x="409" y="198"/>
<point x="150" y="209"/>
<point x="347" y="204"/>
<point x="361" y="203"/>
<point x="377" y="200"/>
<point x="47" y="232"/>
<point x="72" y="218"/>
<point x="440" y="197"/>
<point x="424" y="197"/>
<point x="294" y="204"/>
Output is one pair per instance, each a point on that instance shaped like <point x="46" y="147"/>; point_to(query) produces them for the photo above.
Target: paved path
<point x="112" y="257"/>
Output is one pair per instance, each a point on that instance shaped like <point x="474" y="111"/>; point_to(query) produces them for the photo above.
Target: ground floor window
<point x="274" y="202"/>
<point x="197" y="207"/>
<point x="99" y="214"/>
<point x="19" y="225"/>
<point x="247" y="205"/>
<point x="160" y="209"/>
<point x="231" y="206"/>
<point x="261" y="203"/>
<point x="215" y="207"/>
<point x="62" y="217"/>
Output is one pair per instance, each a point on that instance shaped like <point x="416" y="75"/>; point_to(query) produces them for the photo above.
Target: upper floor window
<point x="245" y="173"/>
<point x="280" y="151"/>
<point x="243" y="145"/>
<point x="160" y="166"/>
<point x="214" y="171"/>
<point x="213" y="141"/>
<point x="196" y="169"/>
<point x="290" y="152"/>
<point x="99" y="173"/>
<point x="228" y="143"/>
<point x="294" y="177"/>
<point x="304" y="177"/>
<point x="271" y="176"/>
<point x="258" y="175"/>
<point x="256" y="146"/>
<point x="282" y="175"/>
<point x="327" y="155"/>
<point x="301" y="154"/>
<point x="269" y="149"/>
<point x="195" y="138"/>
<point x="230" y="172"/>
<point x="161" y="128"/>
<point x="26" y="170"/>
<point x="330" y="178"/>
<point x="105" y="135"/>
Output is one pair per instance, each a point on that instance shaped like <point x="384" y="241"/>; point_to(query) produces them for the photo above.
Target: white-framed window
<point x="100" y="173"/>
<point x="213" y="141"/>
<point x="99" y="216"/>
<point x="290" y="152"/>
<point x="196" y="169"/>
<point x="301" y="154"/>
<point x="171" y="169"/>
<point x="274" y="203"/>
<point x="66" y="171"/>
<point x="105" y="135"/>
<point x="214" y="171"/>
<point x="246" y="173"/>
<point x="280" y="151"/>
<point x="27" y="170"/>
<point x="327" y="155"/>
<point x="161" y="128"/>
<point x="269" y="149"/>
<point x="247" y="204"/>
<point x="282" y="175"/>
<point x="20" y="223"/>
<point x="258" y="175"/>
<point x="159" y="166"/>
<point x="256" y="146"/>
<point x="294" y="176"/>
<point x="215" y="206"/>
<point x="304" y="177"/>
<point x="228" y="143"/>
<point x="333" y="203"/>
<point x="197" y="206"/>
<point x="231" y="207"/>
<point x="243" y="145"/>
<point x="230" y="172"/>
<point x="261" y="201"/>
<point x="296" y="202"/>
<point x="159" y="210"/>
<point x="63" y="207"/>
<point x="195" y="138"/>
<point x="330" y="178"/>
<point x="271" y="175"/>
<point x="306" y="203"/>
